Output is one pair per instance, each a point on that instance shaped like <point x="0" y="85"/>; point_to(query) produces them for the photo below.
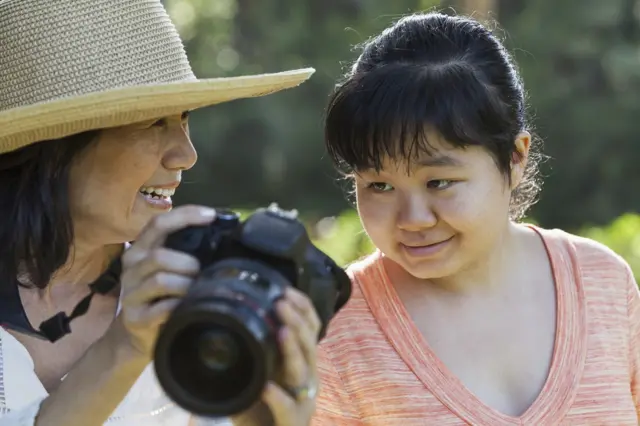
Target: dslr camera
<point x="219" y="347"/>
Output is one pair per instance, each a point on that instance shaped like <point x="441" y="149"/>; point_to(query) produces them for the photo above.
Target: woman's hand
<point x="154" y="279"/>
<point x="292" y="399"/>
<point x="105" y="374"/>
<point x="151" y="272"/>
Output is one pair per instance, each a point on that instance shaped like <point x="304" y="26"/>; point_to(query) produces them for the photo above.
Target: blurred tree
<point x="580" y="61"/>
<point x="480" y="9"/>
<point x="270" y="149"/>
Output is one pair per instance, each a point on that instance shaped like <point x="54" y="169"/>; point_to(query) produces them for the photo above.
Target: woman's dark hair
<point x="434" y="72"/>
<point x="36" y="232"/>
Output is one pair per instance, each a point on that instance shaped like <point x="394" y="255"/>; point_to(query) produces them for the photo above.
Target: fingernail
<point x="284" y="332"/>
<point x="267" y="390"/>
<point x="207" y="212"/>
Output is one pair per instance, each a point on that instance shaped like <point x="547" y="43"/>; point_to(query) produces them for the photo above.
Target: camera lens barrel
<point x="218" y="349"/>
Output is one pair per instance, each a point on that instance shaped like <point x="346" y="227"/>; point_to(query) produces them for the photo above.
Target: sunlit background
<point x="580" y="60"/>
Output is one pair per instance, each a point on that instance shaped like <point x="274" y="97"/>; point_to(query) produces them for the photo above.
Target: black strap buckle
<point x="59" y="325"/>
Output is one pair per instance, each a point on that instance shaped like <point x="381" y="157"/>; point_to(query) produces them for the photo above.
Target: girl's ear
<point x="519" y="157"/>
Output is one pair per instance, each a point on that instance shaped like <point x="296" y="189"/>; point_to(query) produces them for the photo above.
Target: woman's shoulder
<point x="19" y="385"/>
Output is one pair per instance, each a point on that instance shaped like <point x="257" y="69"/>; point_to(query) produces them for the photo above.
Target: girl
<point x="463" y="315"/>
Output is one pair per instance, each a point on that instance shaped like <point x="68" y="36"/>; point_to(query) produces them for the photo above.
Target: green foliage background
<point x="344" y="239"/>
<point x="580" y="61"/>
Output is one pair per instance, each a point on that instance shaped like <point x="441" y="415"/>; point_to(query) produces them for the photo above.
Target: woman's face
<point x="128" y="176"/>
<point x="438" y="215"/>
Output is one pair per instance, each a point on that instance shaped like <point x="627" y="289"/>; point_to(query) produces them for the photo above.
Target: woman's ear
<point x="519" y="157"/>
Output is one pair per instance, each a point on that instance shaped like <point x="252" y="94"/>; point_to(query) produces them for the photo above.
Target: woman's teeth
<point x="157" y="192"/>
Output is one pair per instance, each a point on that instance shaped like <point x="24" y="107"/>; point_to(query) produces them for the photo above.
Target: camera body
<point x="219" y="347"/>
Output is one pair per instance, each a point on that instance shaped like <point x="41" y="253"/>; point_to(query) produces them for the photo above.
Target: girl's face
<point x="441" y="213"/>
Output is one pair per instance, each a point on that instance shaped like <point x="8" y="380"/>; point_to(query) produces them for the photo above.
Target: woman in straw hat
<point x="93" y="140"/>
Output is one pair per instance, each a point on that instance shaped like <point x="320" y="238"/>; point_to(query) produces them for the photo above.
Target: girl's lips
<point x="425" y="250"/>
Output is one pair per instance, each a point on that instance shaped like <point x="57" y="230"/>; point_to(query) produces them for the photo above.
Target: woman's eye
<point x="160" y="123"/>
<point x="380" y="186"/>
<point x="439" y="184"/>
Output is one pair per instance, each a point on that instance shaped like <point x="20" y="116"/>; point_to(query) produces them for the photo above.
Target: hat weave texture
<point x="68" y="66"/>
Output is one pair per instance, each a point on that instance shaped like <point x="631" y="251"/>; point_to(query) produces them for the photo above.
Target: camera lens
<point x="216" y="364"/>
<point x="219" y="348"/>
<point x="217" y="351"/>
<point x="217" y="361"/>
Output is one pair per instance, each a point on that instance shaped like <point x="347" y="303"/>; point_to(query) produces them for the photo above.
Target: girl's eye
<point x="380" y="187"/>
<point x="439" y="184"/>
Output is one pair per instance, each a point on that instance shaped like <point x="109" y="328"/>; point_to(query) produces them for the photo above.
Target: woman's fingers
<point x="295" y="368"/>
<point x="154" y="278"/>
<point x="298" y="314"/>
<point x="163" y="259"/>
<point x="284" y="409"/>
<point x="292" y="400"/>
<point x="160" y="285"/>
<point x="294" y="333"/>
<point x="156" y="231"/>
<point x="306" y="309"/>
<point x="156" y="314"/>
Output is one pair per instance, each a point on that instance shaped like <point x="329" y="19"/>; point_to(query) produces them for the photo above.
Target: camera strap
<point x="13" y="316"/>
<point x="59" y="325"/>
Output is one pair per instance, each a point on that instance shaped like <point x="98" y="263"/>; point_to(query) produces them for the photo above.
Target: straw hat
<point x="68" y="66"/>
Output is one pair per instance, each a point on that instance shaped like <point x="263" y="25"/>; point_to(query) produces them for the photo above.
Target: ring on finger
<point x="303" y="393"/>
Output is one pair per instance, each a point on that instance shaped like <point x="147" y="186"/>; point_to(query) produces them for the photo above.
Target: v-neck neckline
<point x="569" y="351"/>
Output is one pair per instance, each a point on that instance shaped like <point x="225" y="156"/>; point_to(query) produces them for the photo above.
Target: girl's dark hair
<point x="36" y="232"/>
<point x="434" y="72"/>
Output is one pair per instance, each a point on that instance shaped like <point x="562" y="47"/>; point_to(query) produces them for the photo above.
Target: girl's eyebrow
<point x="440" y="160"/>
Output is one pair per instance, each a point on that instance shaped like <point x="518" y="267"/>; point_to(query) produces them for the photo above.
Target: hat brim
<point x="23" y="126"/>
